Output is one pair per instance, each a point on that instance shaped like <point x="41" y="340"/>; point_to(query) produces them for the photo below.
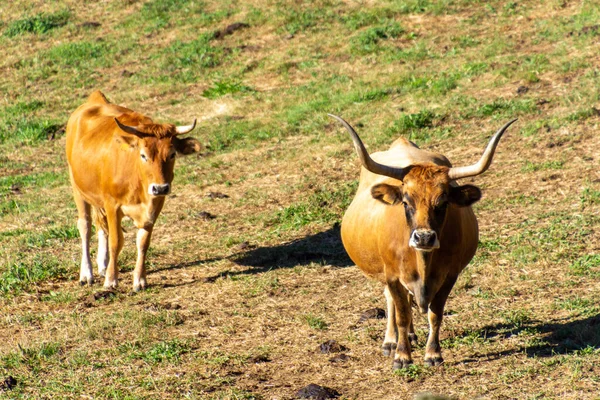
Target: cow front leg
<point x="139" y="274"/>
<point x="433" y="350"/>
<point x="115" y="244"/>
<point x="402" y="357"/>
<point x="391" y="337"/>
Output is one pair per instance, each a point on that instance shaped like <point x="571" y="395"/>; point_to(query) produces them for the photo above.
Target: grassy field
<point x="238" y="304"/>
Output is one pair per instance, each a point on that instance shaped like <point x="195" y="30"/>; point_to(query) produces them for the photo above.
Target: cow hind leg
<point x="84" y="222"/>
<point x="433" y="351"/>
<point x="391" y="335"/>
<point x="102" y="227"/>
<point x="139" y="274"/>
<point x="115" y="244"/>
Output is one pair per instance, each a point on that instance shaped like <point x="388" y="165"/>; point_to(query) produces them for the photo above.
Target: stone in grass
<point x="372" y="313"/>
<point x="9" y="383"/>
<point x="317" y="392"/>
<point x="430" y="396"/>
<point x="331" y="346"/>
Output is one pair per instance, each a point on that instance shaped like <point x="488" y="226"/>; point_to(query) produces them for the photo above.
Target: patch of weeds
<point x="184" y="61"/>
<point x="32" y="357"/>
<point x="323" y="206"/>
<point x="78" y="54"/>
<point x="58" y="297"/>
<point x="517" y="319"/>
<point x="475" y="68"/>
<point x="586" y="265"/>
<point x="48" y="237"/>
<point x="412" y="372"/>
<point x="533" y="167"/>
<point x="222" y="88"/>
<point x="502" y="107"/>
<point x="582" y="115"/>
<point x="37" y="24"/>
<point x="18" y="275"/>
<point x="239" y="134"/>
<point x="367" y="40"/>
<point x="32" y="180"/>
<point x="589" y="196"/>
<point x="298" y="20"/>
<point x="27" y="131"/>
<point x="170" y="351"/>
<point x="579" y="305"/>
<point x="366" y="16"/>
<point x="315" y="322"/>
<point x="162" y="318"/>
<point x="468" y="338"/>
<point x="372" y="95"/>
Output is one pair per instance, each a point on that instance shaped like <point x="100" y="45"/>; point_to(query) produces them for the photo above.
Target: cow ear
<point x="387" y="194"/>
<point x="186" y="146"/>
<point x="465" y="195"/>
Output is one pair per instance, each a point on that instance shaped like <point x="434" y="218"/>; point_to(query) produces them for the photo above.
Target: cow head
<point x="157" y="145"/>
<point x="425" y="194"/>
<point x="426" y="191"/>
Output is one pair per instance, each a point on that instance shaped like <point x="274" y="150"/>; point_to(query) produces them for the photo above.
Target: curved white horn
<point x="367" y="161"/>
<point x="484" y="162"/>
<point x="182" y="130"/>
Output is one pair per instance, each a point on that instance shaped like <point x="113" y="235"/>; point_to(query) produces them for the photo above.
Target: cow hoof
<point x="110" y="284"/>
<point x="86" y="281"/>
<point x="434" y="361"/>
<point x="138" y="288"/>
<point x="400" y="364"/>
<point x="102" y="272"/>
<point x="412" y="337"/>
<point x="388" y="349"/>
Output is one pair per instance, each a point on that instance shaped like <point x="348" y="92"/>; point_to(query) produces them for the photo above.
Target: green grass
<point x="444" y="74"/>
<point x="23" y="273"/>
<point x="37" y="24"/>
<point x="315" y="322"/>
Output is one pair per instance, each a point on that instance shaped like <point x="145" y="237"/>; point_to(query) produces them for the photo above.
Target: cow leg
<point x="115" y="244"/>
<point x="84" y="224"/>
<point x="412" y="336"/>
<point x="433" y="351"/>
<point x="389" y="342"/>
<point x="139" y="274"/>
<point x="402" y="358"/>
<point x="102" y="257"/>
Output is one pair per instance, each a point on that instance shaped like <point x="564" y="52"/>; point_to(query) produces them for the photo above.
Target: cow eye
<point x="144" y="158"/>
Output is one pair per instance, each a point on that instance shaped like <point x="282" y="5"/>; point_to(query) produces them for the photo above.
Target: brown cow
<point x="411" y="227"/>
<point x="120" y="164"/>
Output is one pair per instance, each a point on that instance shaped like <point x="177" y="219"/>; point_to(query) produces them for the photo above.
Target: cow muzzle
<point x="156" y="189"/>
<point x="424" y="240"/>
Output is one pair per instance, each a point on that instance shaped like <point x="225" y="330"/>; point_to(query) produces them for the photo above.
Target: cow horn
<point x="182" y="130"/>
<point x="129" y="129"/>
<point x="486" y="159"/>
<point x="367" y="161"/>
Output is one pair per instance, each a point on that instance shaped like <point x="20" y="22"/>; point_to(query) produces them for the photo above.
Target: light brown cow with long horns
<point x="411" y="227"/>
<point x="120" y="164"/>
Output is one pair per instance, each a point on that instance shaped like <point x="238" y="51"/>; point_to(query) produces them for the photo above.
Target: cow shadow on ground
<point x="552" y="338"/>
<point x="325" y="248"/>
